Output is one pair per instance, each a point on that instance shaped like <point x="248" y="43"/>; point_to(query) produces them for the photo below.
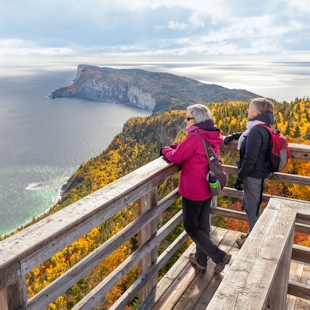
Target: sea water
<point x="44" y="140"/>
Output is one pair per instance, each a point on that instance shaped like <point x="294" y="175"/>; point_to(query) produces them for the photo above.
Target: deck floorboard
<point x="184" y="287"/>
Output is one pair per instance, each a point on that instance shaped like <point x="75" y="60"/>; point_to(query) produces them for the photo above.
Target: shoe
<point x="193" y="260"/>
<point x="220" y="266"/>
<point x="240" y="242"/>
<point x="243" y="236"/>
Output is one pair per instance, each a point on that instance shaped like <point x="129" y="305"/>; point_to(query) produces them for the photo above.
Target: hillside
<point x="137" y="144"/>
<point x="141" y="139"/>
<point x="154" y="91"/>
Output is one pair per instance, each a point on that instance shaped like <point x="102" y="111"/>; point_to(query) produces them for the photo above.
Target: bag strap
<point x="210" y="154"/>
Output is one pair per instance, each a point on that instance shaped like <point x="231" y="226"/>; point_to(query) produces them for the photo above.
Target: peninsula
<point x="153" y="91"/>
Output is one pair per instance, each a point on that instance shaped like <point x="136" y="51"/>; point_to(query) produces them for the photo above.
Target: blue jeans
<point x="196" y="216"/>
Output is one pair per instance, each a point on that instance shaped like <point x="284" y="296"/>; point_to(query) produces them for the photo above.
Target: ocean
<point x="44" y="140"/>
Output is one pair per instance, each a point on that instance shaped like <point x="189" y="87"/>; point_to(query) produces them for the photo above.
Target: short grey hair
<point x="200" y="112"/>
<point x="261" y="105"/>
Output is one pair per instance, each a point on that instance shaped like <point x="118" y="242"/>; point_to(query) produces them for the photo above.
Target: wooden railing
<point x="22" y="252"/>
<point x="258" y="278"/>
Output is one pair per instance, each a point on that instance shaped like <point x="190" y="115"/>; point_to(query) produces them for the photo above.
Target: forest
<point x="139" y="143"/>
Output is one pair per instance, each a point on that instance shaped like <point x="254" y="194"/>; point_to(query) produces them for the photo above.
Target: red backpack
<point x="279" y="152"/>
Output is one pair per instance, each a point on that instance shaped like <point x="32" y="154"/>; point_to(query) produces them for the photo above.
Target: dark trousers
<point x="196" y="216"/>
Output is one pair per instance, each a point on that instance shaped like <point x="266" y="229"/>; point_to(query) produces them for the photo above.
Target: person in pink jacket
<point x="193" y="185"/>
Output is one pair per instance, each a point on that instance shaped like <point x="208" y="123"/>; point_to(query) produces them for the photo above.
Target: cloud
<point x="176" y="25"/>
<point x="154" y="27"/>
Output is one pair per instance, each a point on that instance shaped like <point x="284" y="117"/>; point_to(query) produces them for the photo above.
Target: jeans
<point x="196" y="216"/>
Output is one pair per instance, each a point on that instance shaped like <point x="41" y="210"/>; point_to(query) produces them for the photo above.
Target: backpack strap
<point x="269" y="128"/>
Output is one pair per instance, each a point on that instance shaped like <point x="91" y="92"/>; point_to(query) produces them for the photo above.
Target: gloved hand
<point x="234" y="136"/>
<point x="164" y="150"/>
<point x="174" y="145"/>
<point x="239" y="184"/>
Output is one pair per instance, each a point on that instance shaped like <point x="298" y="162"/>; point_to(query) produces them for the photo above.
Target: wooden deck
<point x="184" y="287"/>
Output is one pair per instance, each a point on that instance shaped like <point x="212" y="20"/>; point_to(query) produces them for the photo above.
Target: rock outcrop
<point x="147" y="90"/>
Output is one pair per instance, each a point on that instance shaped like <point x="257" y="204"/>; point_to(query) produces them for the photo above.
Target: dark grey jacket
<point x="254" y="149"/>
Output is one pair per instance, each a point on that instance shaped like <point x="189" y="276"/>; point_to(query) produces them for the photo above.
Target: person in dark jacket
<point x="253" y="145"/>
<point x="193" y="184"/>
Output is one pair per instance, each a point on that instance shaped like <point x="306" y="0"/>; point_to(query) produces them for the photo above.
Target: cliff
<point x="152" y="91"/>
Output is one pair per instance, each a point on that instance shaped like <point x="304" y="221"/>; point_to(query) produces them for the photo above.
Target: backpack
<point x="278" y="153"/>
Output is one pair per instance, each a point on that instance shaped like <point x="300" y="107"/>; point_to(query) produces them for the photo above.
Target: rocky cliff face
<point x="93" y="87"/>
<point x="147" y="90"/>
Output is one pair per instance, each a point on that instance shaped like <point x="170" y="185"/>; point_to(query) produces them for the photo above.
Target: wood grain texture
<point x="249" y="280"/>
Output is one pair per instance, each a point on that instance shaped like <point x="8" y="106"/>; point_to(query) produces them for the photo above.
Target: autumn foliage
<point x="137" y="144"/>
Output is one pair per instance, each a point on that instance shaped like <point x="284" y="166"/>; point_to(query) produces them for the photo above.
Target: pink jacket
<point x="191" y="155"/>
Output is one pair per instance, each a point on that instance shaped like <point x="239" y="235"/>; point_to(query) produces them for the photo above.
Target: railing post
<point x="144" y="204"/>
<point x="3" y="300"/>
<point x="278" y="293"/>
<point x="14" y="296"/>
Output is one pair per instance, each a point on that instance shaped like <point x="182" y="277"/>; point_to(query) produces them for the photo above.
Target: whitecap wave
<point x="35" y="186"/>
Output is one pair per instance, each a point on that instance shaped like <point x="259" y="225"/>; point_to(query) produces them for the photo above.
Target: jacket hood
<point x="266" y="117"/>
<point x="207" y="125"/>
<point x="213" y="136"/>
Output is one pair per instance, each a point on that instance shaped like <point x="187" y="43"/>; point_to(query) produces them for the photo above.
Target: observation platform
<point x="269" y="272"/>
<point x="185" y="287"/>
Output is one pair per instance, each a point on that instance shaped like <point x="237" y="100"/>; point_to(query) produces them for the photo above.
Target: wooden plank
<point x="290" y="178"/>
<point x="130" y="293"/>
<point x="299" y="290"/>
<point x="297" y="151"/>
<point x="204" y="300"/>
<point x="177" y="288"/>
<point x="229" y="213"/>
<point x="17" y="294"/>
<point x="303" y="228"/>
<point x="196" y="288"/>
<point x="37" y="243"/>
<point x="231" y="192"/>
<point x="276" y="176"/>
<point x="301" y="207"/>
<point x="201" y="284"/>
<point x="167" y="280"/>
<point x="3" y="300"/>
<point x="305" y="277"/>
<point x="90" y="300"/>
<point x="78" y="271"/>
<point x="290" y="302"/>
<point x="181" y="283"/>
<point x="278" y="291"/>
<point x="302" y="304"/>
<point x="169" y="277"/>
<point x="250" y="276"/>
<point x="301" y="253"/>
<point x="202" y="279"/>
<point x="296" y="269"/>
<point x="145" y="203"/>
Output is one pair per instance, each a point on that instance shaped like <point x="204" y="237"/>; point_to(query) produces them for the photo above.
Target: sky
<point x="154" y="30"/>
